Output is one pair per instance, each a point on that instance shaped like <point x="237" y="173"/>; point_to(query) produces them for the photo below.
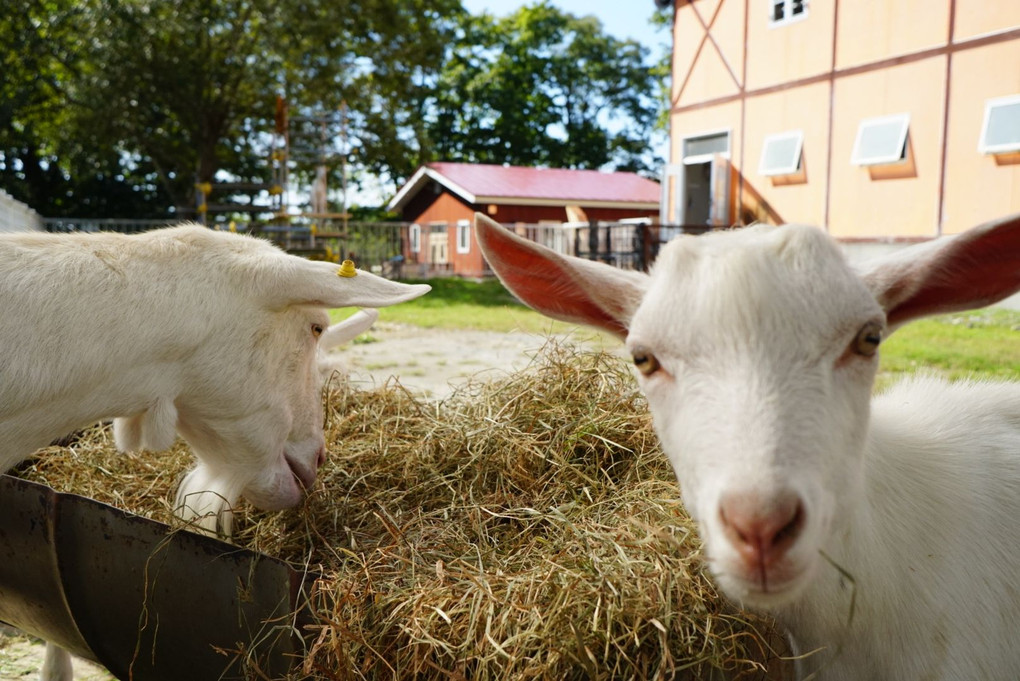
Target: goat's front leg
<point x="56" y="664"/>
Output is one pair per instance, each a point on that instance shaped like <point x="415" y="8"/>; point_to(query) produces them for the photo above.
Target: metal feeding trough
<point x="145" y="601"/>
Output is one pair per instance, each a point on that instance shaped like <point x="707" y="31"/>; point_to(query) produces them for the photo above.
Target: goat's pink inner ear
<point x="561" y="286"/>
<point x="976" y="268"/>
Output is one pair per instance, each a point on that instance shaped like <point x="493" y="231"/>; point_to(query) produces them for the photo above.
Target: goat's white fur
<point x="760" y="397"/>
<point x="204" y="498"/>
<point x="187" y="331"/>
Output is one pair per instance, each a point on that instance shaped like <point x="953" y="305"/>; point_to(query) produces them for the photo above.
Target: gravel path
<point x="433" y="362"/>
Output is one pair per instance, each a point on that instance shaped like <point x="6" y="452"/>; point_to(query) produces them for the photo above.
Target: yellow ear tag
<point x="347" y="269"/>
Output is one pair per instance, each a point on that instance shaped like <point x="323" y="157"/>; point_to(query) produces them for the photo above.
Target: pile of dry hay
<point x="525" y="528"/>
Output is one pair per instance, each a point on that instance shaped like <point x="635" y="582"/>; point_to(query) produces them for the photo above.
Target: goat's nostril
<point x="320" y="457"/>
<point x="790" y="531"/>
<point x="762" y="531"/>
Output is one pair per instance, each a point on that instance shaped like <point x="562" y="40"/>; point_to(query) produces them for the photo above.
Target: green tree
<point x="117" y="107"/>
<point x="382" y="59"/>
<point x="47" y="158"/>
<point x="158" y="95"/>
<point x="543" y="87"/>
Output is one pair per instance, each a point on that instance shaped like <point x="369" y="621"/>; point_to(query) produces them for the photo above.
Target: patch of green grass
<point x="365" y="339"/>
<point x="380" y="366"/>
<point x="452" y="291"/>
<point x="980" y="344"/>
<point x="461" y="304"/>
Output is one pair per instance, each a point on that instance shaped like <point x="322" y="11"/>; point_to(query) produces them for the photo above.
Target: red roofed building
<point x="440" y="200"/>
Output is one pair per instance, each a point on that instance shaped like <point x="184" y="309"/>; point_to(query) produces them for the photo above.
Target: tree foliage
<point x="543" y="87"/>
<point x="49" y="157"/>
<point x="157" y="96"/>
<point x="116" y="108"/>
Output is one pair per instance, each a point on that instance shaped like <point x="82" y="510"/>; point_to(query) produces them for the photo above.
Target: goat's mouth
<point x="765" y="588"/>
<point x="760" y="586"/>
<point x="304" y="475"/>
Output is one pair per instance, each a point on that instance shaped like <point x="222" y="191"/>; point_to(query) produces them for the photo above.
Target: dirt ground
<point x="433" y="362"/>
<point x="21" y="658"/>
<point x="428" y="362"/>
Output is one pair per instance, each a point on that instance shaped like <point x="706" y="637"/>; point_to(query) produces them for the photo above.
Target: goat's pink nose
<point x="762" y="530"/>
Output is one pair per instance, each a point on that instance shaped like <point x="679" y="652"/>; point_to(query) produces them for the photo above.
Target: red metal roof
<point x="480" y="183"/>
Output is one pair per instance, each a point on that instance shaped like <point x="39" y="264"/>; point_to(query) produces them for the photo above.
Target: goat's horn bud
<point x="347" y="269"/>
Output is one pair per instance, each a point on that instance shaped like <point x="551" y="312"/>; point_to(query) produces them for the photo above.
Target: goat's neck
<point x="932" y="497"/>
<point x="32" y="424"/>
<point x="834" y="620"/>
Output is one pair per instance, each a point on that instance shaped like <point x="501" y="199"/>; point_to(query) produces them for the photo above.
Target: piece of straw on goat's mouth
<point x="524" y="528"/>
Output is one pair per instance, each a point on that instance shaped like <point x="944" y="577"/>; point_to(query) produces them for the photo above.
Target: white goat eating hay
<point x="209" y="335"/>
<point x="884" y="535"/>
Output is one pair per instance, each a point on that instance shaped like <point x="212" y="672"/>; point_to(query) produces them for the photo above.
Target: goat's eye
<point x="317" y="330"/>
<point x="645" y="362"/>
<point x="868" y="339"/>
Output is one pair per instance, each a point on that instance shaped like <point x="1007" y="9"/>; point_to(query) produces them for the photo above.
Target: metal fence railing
<point x="380" y="246"/>
<point x="374" y="246"/>
<point x="631" y="245"/>
<point x="124" y="226"/>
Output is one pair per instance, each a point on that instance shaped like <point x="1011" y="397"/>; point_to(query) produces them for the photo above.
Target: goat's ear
<point x="347" y="330"/>
<point x="976" y="268"/>
<point x="561" y="286"/>
<point x="306" y="282"/>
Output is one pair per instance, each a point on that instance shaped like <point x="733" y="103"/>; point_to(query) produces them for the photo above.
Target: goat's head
<point x="757" y="351"/>
<point x="250" y="405"/>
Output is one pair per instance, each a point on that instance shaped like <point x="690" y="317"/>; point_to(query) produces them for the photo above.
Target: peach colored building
<point x="876" y="119"/>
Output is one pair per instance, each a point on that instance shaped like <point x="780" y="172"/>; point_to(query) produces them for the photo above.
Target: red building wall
<point x="434" y="204"/>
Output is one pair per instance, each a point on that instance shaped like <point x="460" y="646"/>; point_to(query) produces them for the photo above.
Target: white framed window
<point x="781" y="153"/>
<point x="1000" y="131"/>
<point x="782" y="12"/>
<point x="463" y="236"/>
<point x="415" y="236"/>
<point x="702" y="148"/>
<point x="881" y="140"/>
